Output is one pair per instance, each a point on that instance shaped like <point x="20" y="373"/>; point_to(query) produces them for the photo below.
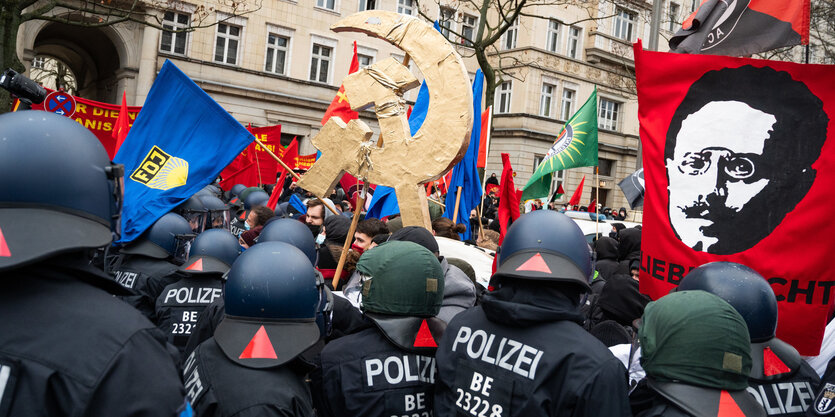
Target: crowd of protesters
<point x="243" y="311"/>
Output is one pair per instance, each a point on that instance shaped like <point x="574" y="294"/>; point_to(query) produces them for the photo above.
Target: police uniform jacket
<point x="68" y="348"/>
<point x="522" y="352"/>
<point x="180" y="305"/>
<point x="781" y="381"/>
<point x="145" y="277"/>
<point x="218" y="387"/>
<point x="206" y="324"/>
<point x="364" y="374"/>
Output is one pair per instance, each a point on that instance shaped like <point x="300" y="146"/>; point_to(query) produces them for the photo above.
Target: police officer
<point x="151" y="262"/>
<point x="181" y="303"/>
<point x="695" y="350"/>
<point x="249" y="367"/>
<point x="522" y="351"/>
<point x="67" y="346"/>
<point x="219" y="216"/>
<point x="279" y="230"/>
<point x="781" y="381"/>
<point x="387" y="367"/>
<point x="194" y="211"/>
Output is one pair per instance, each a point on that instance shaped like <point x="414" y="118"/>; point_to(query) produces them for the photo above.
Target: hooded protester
<point x="696" y="353"/>
<point x="616" y="228"/>
<point x="629" y="249"/>
<point x="331" y="240"/>
<point x="402" y="287"/>
<point x="522" y="351"/>
<point x="619" y="301"/>
<point x="606" y="263"/>
<point x="779" y="379"/>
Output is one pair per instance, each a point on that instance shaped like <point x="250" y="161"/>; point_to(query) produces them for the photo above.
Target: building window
<point x="573" y="42"/>
<point x="546" y="99"/>
<point x="673" y="16"/>
<point x="405" y="6"/>
<point x="173" y="41"/>
<point x="553" y="43"/>
<point x="447" y="22"/>
<point x="606" y="167"/>
<point x="326" y="4"/>
<point x="365" y="60"/>
<point x="38" y="62"/>
<point x="624" y="24"/>
<point x="468" y="24"/>
<point x="567" y="106"/>
<point x="503" y="98"/>
<point x="509" y="40"/>
<point x="276" y="53"/>
<point x="226" y="46"/>
<point x="608" y="115"/>
<point x="320" y="63"/>
<point x="368" y="5"/>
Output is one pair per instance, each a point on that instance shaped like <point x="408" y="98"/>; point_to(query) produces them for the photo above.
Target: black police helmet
<point x="213" y="203"/>
<point x="744" y="289"/>
<point x="213" y="251"/>
<point x="194" y="212"/>
<point x="545" y="246"/>
<point x="272" y="295"/>
<point x="59" y="191"/>
<point x="237" y="188"/>
<point x="170" y="236"/>
<point x="255" y="199"/>
<point x="290" y="231"/>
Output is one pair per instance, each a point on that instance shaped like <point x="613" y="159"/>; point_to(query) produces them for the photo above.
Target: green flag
<point x="576" y="146"/>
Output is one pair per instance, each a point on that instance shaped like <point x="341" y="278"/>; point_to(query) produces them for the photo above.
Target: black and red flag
<point x="743" y="27"/>
<point x="739" y="164"/>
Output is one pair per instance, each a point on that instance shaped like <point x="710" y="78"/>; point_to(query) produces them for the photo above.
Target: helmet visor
<point x="220" y="219"/>
<point x="196" y="219"/>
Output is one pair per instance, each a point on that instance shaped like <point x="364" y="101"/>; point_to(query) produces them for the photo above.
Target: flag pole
<point x="347" y="245"/>
<point x="457" y="204"/>
<point x="596" y="202"/>
<point x="290" y="170"/>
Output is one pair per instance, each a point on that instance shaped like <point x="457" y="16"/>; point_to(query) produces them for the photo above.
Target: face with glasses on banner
<point x="717" y="169"/>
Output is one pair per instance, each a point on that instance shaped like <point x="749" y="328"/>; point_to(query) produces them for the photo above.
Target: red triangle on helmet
<point x="728" y="407"/>
<point x="4" y="248"/>
<point x="772" y="365"/>
<point x="536" y="264"/>
<point x="259" y="347"/>
<point x="196" y="266"/>
<point x="424" y="336"/>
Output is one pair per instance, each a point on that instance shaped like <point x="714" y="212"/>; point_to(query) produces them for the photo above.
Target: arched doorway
<point x="86" y="52"/>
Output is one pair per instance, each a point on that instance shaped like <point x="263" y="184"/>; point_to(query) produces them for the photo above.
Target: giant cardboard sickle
<point x="403" y="161"/>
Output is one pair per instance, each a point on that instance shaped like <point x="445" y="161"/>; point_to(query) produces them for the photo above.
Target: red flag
<point x="288" y="156"/>
<point x="122" y="126"/>
<point x="508" y="198"/>
<point x="339" y="106"/>
<point x="593" y="206"/>
<point x="575" y="198"/>
<point x="267" y="166"/>
<point x="484" y="142"/>
<point x="245" y="175"/>
<point x="352" y="187"/>
<point x="739" y="162"/>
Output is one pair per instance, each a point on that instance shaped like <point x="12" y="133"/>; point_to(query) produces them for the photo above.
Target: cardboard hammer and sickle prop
<point x="403" y="162"/>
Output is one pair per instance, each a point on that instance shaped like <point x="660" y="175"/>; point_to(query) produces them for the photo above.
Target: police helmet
<point x="272" y="296"/>
<point x="290" y="231"/>
<point x="213" y="251"/>
<point x="545" y="246"/>
<point x="194" y="212"/>
<point x="744" y="289"/>
<point x="255" y="199"/>
<point x="237" y="188"/>
<point x="220" y="216"/>
<point x="247" y="191"/>
<point x="170" y="236"/>
<point x="72" y="200"/>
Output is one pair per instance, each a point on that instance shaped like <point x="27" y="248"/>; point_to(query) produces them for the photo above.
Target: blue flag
<point x="298" y="204"/>
<point x="179" y="143"/>
<point x="465" y="173"/>
<point x="384" y="201"/>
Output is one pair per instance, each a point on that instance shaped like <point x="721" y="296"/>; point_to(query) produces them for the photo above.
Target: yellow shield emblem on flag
<point x="161" y="171"/>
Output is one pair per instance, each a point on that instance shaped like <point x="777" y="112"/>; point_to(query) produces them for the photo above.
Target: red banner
<point x="304" y="162"/>
<point x="266" y="164"/>
<point x="739" y="163"/>
<point x="98" y="117"/>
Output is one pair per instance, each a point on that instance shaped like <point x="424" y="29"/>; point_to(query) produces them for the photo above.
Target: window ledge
<point x="325" y="10"/>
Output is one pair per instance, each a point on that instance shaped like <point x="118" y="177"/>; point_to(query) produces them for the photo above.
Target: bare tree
<point x="96" y="14"/>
